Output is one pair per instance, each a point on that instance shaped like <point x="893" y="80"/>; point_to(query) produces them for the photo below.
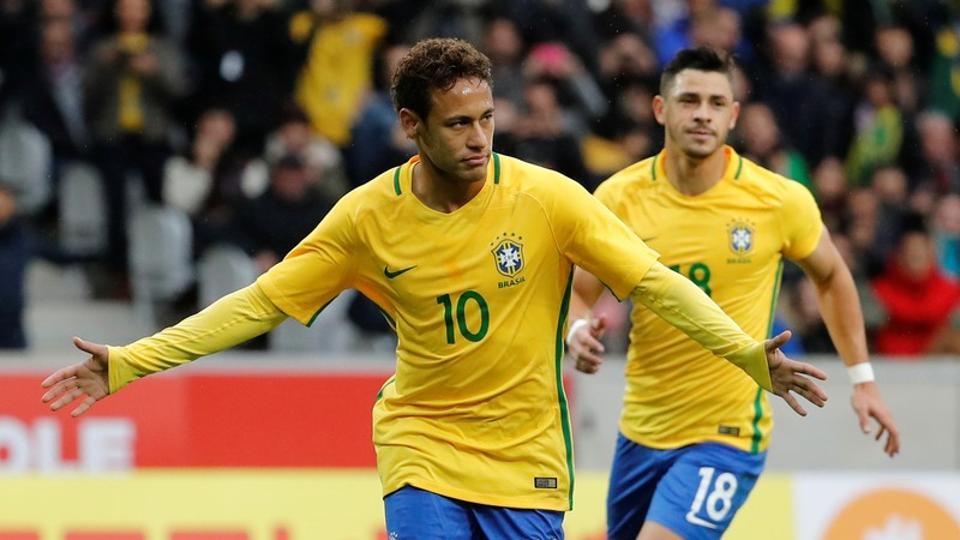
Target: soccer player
<point x="470" y="256"/>
<point x="693" y="431"/>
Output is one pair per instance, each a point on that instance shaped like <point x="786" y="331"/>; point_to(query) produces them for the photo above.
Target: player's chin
<point x="700" y="149"/>
<point x="472" y="173"/>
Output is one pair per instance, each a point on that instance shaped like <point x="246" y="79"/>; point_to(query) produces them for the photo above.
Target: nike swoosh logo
<point x="649" y="239"/>
<point x="391" y="275"/>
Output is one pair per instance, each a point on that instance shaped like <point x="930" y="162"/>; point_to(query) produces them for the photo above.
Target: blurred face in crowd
<point x="58" y="9"/>
<point x="759" y="128"/>
<point x="830" y="58"/>
<point x="863" y="205"/>
<point x="290" y="183"/>
<point x="718" y="28"/>
<point x="791" y="45"/>
<point x="878" y="91"/>
<point x="57" y="41"/>
<point x="457" y="135"/>
<point x="824" y="28"/>
<point x="938" y="138"/>
<point x="890" y="185"/>
<point x="132" y="15"/>
<point x="829" y="180"/>
<point x="635" y="103"/>
<point x="916" y="255"/>
<point x="895" y="46"/>
<point x="543" y="111"/>
<point x="391" y="59"/>
<point x="698" y="111"/>
<point x="948" y="215"/>
<point x="502" y="42"/>
<point x="218" y="126"/>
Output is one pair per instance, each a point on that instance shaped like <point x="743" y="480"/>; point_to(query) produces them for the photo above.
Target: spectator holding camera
<point x="132" y="79"/>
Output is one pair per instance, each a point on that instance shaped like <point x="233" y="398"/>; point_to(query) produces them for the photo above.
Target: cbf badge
<point x="740" y="235"/>
<point x="508" y="256"/>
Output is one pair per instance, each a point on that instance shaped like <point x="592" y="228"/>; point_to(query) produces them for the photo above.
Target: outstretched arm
<point x="683" y="305"/>
<point x="841" y="312"/>
<point x="232" y="320"/>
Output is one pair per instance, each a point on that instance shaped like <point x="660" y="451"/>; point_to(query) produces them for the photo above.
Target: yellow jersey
<point x="729" y="240"/>
<point x="338" y="71"/>
<point x="478" y="297"/>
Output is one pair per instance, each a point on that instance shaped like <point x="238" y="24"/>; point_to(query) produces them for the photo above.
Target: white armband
<point x="574" y="326"/>
<point x="860" y="373"/>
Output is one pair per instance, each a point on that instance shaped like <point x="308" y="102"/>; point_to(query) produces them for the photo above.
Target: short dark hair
<point x="700" y="59"/>
<point x="436" y="64"/>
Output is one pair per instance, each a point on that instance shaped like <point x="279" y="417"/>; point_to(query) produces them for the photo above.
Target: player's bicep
<point x="800" y="221"/>
<point x="823" y="261"/>
<point x="586" y="287"/>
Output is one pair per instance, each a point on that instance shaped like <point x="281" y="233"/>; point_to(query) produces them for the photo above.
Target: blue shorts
<point x="694" y="491"/>
<point x="415" y="514"/>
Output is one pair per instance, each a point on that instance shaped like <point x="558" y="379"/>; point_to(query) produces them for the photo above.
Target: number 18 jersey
<point x="478" y="297"/>
<point x="730" y="241"/>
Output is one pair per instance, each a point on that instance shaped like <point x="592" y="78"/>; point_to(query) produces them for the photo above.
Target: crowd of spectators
<point x="253" y="116"/>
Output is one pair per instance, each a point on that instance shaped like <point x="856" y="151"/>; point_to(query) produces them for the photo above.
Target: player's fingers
<point x="777" y="341"/>
<point x="880" y="433"/>
<point x="59" y="389"/>
<point x="809" y="391"/>
<point x="588" y="357"/>
<point x="86" y="346"/>
<point x="808" y="369"/>
<point x="84" y="405"/>
<point x="66" y="399"/>
<point x="588" y="366"/>
<point x="864" y="419"/>
<point x="794" y="404"/>
<point x="893" y="443"/>
<point x="589" y="369"/>
<point x="59" y="375"/>
<point x="819" y="395"/>
<point x="598" y="325"/>
<point x="594" y="345"/>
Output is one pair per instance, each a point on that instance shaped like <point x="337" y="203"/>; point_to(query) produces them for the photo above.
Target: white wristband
<point x="860" y="373"/>
<point x="574" y="326"/>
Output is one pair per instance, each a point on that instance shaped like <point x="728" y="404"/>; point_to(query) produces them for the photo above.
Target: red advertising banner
<point x="223" y="419"/>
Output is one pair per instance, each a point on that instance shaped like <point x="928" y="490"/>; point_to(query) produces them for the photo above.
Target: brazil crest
<point x="509" y="257"/>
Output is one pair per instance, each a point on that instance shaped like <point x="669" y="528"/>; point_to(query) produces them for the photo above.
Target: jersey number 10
<point x="447" y="302"/>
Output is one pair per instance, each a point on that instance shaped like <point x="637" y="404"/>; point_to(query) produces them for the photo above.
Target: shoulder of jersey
<point x="520" y="176"/>
<point x="372" y="195"/>
<point x="765" y="184"/>
<point x="640" y="174"/>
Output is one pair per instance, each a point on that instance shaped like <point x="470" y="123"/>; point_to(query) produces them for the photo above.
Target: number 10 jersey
<point x="478" y="297"/>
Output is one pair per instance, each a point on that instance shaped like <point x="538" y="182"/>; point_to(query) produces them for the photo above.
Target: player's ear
<point x="410" y="122"/>
<point x="658" y="105"/>
<point x="735" y="114"/>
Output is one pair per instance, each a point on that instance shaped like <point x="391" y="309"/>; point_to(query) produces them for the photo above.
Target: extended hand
<point x="790" y="376"/>
<point x="867" y="403"/>
<point x="585" y="346"/>
<point x="84" y="378"/>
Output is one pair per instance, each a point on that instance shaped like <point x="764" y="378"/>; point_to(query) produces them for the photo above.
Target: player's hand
<point x="867" y="403"/>
<point x="585" y="345"/>
<point x="791" y="376"/>
<point x="84" y="378"/>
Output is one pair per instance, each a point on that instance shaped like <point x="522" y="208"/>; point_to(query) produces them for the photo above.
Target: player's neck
<point x="693" y="176"/>
<point x="440" y="191"/>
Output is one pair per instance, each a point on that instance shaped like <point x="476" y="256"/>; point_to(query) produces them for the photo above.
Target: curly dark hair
<point x="700" y="59"/>
<point x="436" y="64"/>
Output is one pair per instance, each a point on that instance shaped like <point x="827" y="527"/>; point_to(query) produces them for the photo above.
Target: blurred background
<point x="157" y="154"/>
